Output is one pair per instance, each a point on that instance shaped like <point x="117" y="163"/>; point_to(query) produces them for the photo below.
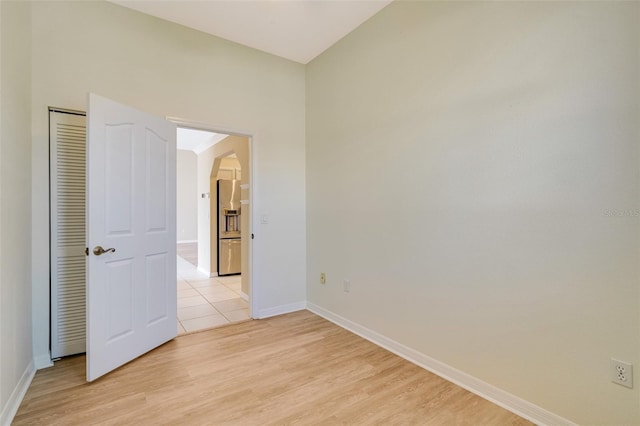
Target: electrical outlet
<point x="323" y="278"/>
<point x="347" y="286"/>
<point x="622" y="373"/>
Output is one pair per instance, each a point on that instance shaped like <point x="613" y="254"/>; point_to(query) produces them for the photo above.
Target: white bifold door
<point x="68" y="260"/>
<point x="131" y="234"/>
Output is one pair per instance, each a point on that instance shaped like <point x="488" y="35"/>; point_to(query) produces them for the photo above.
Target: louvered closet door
<point x="68" y="261"/>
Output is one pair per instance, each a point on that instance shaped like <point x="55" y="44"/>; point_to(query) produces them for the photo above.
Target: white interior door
<point x="131" y="208"/>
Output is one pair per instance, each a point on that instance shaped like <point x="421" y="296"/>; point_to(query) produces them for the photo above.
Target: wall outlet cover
<point x="621" y="373"/>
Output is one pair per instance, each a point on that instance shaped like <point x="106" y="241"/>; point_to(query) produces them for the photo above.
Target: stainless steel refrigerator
<point x="229" y="233"/>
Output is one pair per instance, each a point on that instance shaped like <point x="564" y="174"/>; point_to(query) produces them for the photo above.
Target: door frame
<point x="251" y="137"/>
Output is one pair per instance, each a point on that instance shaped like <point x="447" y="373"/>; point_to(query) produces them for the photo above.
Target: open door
<point x="131" y="234"/>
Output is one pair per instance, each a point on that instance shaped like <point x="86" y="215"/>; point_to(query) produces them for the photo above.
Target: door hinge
<point x="86" y="251"/>
<point x="252" y="236"/>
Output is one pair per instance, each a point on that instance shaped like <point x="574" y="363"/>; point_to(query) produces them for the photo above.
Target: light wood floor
<point x="292" y="369"/>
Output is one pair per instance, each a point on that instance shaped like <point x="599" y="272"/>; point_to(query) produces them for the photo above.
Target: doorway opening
<point x="213" y="176"/>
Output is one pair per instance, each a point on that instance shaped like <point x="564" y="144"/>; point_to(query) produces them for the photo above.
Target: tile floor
<point x="207" y="302"/>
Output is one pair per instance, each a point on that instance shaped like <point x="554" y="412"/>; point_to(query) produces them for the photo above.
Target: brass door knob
<point x="98" y="250"/>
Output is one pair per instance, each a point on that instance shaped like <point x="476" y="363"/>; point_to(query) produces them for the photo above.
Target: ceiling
<point x="298" y="30"/>
<point x="197" y="140"/>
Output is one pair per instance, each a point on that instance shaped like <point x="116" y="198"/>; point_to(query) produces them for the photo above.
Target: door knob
<point x="98" y="250"/>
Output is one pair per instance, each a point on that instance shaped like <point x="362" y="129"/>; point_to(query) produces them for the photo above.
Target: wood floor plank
<point x="292" y="369"/>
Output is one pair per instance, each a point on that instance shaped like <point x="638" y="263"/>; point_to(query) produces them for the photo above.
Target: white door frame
<point x="251" y="136"/>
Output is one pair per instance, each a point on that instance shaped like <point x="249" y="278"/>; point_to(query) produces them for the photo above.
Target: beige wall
<point x="169" y="70"/>
<point x="187" y="196"/>
<point x="230" y="164"/>
<point x="16" y="352"/>
<point x="506" y="245"/>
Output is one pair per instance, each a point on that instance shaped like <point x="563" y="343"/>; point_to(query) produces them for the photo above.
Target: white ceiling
<point x="298" y="30"/>
<point x="197" y="140"/>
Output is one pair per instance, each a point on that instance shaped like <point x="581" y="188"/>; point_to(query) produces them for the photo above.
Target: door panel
<point x="131" y="202"/>
<point x="119" y="186"/>
<point x="119" y="301"/>
<point x="157" y="270"/>
<point x="156" y="182"/>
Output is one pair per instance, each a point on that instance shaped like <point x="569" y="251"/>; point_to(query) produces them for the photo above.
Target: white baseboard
<point x="246" y="297"/>
<point x="43" y="361"/>
<point x="187" y="241"/>
<point x="11" y="407"/>
<point x="207" y="272"/>
<point x="489" y="392"/>
<point x="282" y="309"/>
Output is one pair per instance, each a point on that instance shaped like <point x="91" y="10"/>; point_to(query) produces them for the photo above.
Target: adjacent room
<point x="209" y="218"/>
<point x="429" y="212"/>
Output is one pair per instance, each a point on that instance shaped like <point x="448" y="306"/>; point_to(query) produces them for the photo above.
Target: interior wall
<point x="187" y="195"/>
<point x="205" y="161"/>
<point x="229" y="163"/>
<point x="170" y="70"/>
<point x="15" y="200"/>
<point x="473" y="169"/>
